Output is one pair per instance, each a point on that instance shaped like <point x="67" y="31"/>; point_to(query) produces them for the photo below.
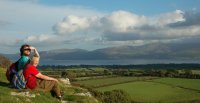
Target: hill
<point x="4" y="62"/>
<point x="168" y="51"/>
<point x="72" y="94"/>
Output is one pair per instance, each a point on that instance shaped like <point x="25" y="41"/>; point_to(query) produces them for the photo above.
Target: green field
<point x="196" y="71"/>
<point x="110" y="81"/>
<point x="141" y="89"/>
<point x="154" y="92"/>
<point x="92" y="77"/>
<point x="180" y="82"/>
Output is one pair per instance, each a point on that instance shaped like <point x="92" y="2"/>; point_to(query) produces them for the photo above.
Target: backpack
<point x="9" y="73"/>
<point x="16" y="78"/>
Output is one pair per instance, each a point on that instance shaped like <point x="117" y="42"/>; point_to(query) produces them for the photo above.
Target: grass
<point x="98" y="69"/>
<point x="5" y="93"/>
<point x="154" y="92"/>
<point x="146" y="89"/>
<point x="43" y="97"/>
<point x="186" y="83"/>
<point x="193" y="71"/>
<point x="109" y="81"/>
<point x="93" y="77"/>
<point x="78" y="69"/>
<point x="196" y="71"/>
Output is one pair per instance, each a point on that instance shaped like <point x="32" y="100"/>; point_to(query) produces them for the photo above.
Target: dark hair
<point x="22" y="48"/>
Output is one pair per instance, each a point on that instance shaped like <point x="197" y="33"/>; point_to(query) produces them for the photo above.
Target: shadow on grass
<point x="4" y="84"/>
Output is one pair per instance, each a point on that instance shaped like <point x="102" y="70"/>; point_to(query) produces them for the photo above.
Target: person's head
<point x="35" y="61"/>
<point x="25" y="50"/>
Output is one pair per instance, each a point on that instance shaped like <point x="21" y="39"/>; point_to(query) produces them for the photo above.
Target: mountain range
<point x="149" y="51"/>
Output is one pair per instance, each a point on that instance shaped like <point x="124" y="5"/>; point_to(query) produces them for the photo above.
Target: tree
<point x="188" y="73"/>
<point x="107" y="72"/>
<point x="64" y="74"/>
<point x="71" y="74"/>
<point x="116" y="96"/>
<point x="162" y="73"/>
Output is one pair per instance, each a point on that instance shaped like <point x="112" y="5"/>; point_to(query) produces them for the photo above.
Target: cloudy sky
<point x="55" y="24"/>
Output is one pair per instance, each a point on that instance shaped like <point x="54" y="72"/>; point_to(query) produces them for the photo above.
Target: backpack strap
<point x="20" y="79"/>
<point x="17" y="63"/>
<point x="26" y="65"/>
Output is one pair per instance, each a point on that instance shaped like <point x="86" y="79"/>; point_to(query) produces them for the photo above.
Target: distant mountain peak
<point x="149" y="51"/>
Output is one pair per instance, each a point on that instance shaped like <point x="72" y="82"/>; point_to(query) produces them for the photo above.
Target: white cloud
<point x="119" y="27"/>
<point x="31" y="16"/>
<point x="119" y="21"/>
<point x="168" y="18"/>
<point x="122" y="21"/>
<point x="27" y="21"/>
<point x="82" y="25"/>
<point x="126" y="28"/>
<point x="73" y="24"/>
<point x="39" y="38"/>
<point x="124" y="25"/>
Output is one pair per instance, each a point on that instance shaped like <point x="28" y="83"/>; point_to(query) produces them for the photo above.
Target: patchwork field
<point x="111" y="81"/>
<point x="196" y="71"/>
<point x="192" y="84"/>
<point x="150" y="89"/>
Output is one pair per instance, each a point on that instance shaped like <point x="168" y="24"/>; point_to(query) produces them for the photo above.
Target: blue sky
<point x="55" y="24"/>
<point x="143" y="7"/>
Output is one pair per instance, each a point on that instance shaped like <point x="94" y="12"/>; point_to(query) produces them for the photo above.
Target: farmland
<point x="111" y="81"/>
<point x="152" y="91"/>
<point x="149" y="88"/>
<point x="142" y="84"/>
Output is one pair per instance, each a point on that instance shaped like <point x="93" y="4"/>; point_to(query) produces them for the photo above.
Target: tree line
<point x="176" y="73"/>
<point x="141" y="66"/>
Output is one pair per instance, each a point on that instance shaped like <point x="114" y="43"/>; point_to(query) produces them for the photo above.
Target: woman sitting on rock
<point x="38" y="81"/>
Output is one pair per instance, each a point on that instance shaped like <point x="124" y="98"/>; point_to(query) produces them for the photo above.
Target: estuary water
<point x="114" y="62"/>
